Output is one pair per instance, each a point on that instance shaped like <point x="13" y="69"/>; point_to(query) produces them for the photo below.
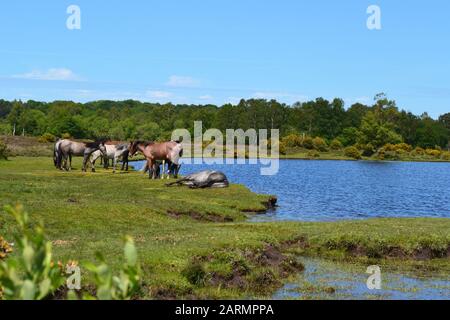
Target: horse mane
<point x="95" y="144"/>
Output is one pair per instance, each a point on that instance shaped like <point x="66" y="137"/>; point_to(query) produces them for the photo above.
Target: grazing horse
<point x="114" y="152"/>
<point x="170" y="152"/>
<point x="68" y="148"/>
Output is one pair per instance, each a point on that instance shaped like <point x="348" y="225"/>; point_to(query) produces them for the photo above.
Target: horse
<point x="114" y="152"/>
<point x="68" y="148"/>
<point x="153" y="151"/>
<point x="203" y="179"/>
<point x="56" y="155"/>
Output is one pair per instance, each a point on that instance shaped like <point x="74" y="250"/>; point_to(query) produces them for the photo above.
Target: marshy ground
<point x="197" y="243"/>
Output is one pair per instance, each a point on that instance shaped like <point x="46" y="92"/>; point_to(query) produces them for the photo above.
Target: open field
<point x="196" y="243"/>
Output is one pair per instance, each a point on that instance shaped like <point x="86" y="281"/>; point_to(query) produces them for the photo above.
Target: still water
<point x="337" y="190"/>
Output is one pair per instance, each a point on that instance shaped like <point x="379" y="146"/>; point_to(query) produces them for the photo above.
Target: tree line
<point x="378" y="124"/>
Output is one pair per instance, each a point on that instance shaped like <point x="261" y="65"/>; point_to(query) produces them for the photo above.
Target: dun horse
<point x="170" y="152"/>
<point x="68" y="148"/>
<point x="114" y="152"/>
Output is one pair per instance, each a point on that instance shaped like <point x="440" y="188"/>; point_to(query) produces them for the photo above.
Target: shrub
<point x="195" y="273"/>
<point x="433" y="153"/>
<point x="308" y="143"/>
<point x="445" y="156"/>
<point x="403" y="146"/>
<point x="5" y="248"/>
<point x="336" y="144"/>
<point x="313" y="154"/>
<point x="320" y="144"/>
<point x="368" y="149"/>
<point x="122" y="287"/>
<point x="31" y="275"/>
<point x="282" y="148"/>
<point x="292" y="141"/>
<point x="66" y="136"/>
<point x="3" y="151"/>
<point x="389" y="147"/>
<point x="47" y="137"/>
<point x="419" y="151"/>
<point x="352" y="152"/>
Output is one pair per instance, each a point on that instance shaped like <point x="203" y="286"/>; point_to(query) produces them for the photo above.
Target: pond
<point x="341" y="190"/>
<point x="314" y="190"/>
<point x="324" y="279"/>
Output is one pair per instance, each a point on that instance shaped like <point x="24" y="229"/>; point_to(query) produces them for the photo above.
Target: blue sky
<point x="220" y="51"/>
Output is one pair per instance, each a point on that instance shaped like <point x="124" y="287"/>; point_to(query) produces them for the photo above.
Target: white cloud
<point x="182" y="81"/>
<point x="159" y="94"/>
<point x="53" y="74"/>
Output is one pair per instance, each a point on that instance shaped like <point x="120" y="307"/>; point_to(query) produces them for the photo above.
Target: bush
<point x="282" y="148"/>
<point x="404" y="147"/>
<point x="3" y="151"/>
<point x="308" y="143"/>
<point x="419" y="151"/>
<point x="336" y="144"/>
<point x="292" y="141"/>
<point x="47" y="137"/>
<point x="433" y="153"/>
<point x="368" y="149"/>
<point x="320" y="144"/>
<point x="352" y="152"/>
<point x="122" y="287"/>
<point x="66" y="136"/>
<point x="313" y="154"/>
<point x="445" y="156"/>
<point x="5" y="248"/>
<point x="195" y="274"/>
<point x="389" y="147"/>
<point x="31" y="275"/>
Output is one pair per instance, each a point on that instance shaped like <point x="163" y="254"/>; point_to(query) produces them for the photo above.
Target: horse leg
<point x="66" y="159"/>
<point x="155" y="167"/>
<point x="150" y="168"/>
<point x="114" y="163"/>
<point x="85" y="160"/>
<point x="70" y="161"/>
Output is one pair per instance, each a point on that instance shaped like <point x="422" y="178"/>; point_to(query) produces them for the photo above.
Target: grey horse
<point x="203" y="179"/>
<point x="68" y="148"/>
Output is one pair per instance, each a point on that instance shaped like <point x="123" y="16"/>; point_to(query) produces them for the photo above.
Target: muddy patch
<point x="259" y="271"/>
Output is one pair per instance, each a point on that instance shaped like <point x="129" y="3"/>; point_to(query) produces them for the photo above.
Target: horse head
<point x="133" y="147"/>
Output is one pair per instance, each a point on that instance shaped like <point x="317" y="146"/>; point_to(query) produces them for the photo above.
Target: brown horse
<point x="170" y="152"/>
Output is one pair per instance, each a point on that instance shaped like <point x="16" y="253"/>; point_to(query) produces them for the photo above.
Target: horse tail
<point x="56" y="153"/>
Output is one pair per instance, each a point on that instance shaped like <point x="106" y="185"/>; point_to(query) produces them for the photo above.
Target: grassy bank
<point x="196" y="243"/>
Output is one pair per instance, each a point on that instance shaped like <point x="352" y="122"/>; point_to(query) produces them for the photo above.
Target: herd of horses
<point x="155" y="153"/>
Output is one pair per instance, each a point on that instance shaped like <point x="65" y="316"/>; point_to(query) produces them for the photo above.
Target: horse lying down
<point x="203" y="179"/>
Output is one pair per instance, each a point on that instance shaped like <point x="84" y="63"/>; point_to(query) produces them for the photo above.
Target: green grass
<point x="196" y="243"/>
